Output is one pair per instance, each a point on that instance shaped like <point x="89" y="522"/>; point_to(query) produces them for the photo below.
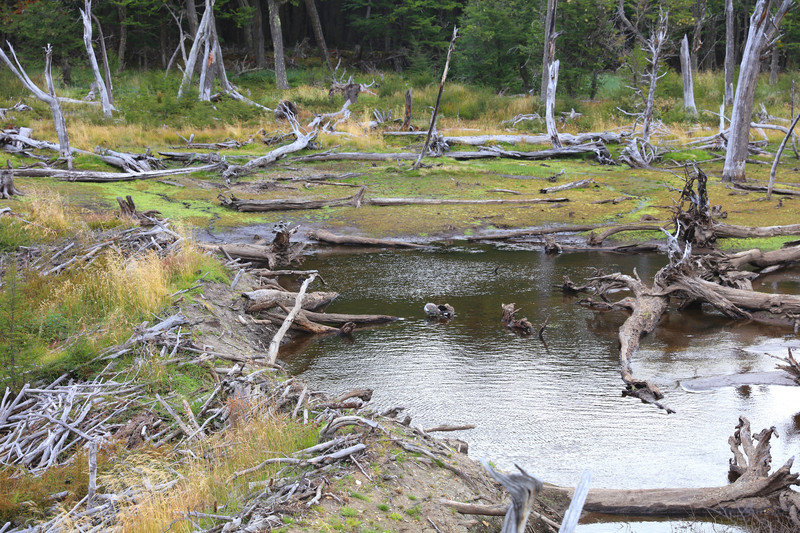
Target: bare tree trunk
<point x="763" y="27"/>
<point x="699" y="13"/>
<point x="122" y="12"/>
<point x="248" y="33"/>
<point x="654" y="45"/>
<point x="311" y="7"/>
<point x="778" y="157"/>
<point x="105" y="100"/>
<point x="688" y="83"/>
<point x="549" y="45"/>
<point x="773" y="66"/>
<point x="730" y="52"/>
<point x="48" y="97"/>
<point x="191" y="15"/>
<point x="258" y="35"/>
<point x="106" y="68"/>
<point x="407" y="116"/>
<point x="550" y="120"/>
<point x="277" y="45"/>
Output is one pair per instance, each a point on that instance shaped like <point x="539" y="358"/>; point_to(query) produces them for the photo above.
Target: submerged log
<point x="521" y="324"/>
<point x="326" y="236"/>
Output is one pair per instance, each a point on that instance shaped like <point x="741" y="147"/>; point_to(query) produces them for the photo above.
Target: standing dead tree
<point x="281" y="80"/>
<point x="730" y="52"/>
<point x="48" y="97"/>
<point x="550" y="120"/>
<point x="432" y="127"/>
<point x="688" y="82"/>
<point x="549" y="54"/>
<point x="212" y="64"/>
<point x="105" y="96"/>
<point x="633" y="155"/>
<point x="760" y="36"/>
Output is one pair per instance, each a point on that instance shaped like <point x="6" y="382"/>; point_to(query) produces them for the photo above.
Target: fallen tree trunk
<point x="342" y="319"/>
<point x="599" y="149"/>
<point x="108" y="177"/>
<point x="533" y="232"/>
<point x="447" y="201"/>
<point x="757" y="258"/>
<point x="722" y="230"/>
<point x="302" y="140"/>
<point x="597" y="240"/>
<point x="257" y="206"/>
<point x="326" y="236"/>
<point x="566" y="186"/>
<point x="765" y="188"/>
<point x="261" y="297"/>
<point x="479" y="140"/>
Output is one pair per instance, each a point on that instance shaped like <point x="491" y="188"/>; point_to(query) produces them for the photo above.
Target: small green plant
<point x="359" y="496"/>
<point x="396" y="516"/>
<point x="348" y="512"/>
<point x="383" y="507"/>
<point x="414" y="512"/>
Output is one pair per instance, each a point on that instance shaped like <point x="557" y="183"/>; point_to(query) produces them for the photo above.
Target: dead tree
<point x="688" y="82"/>
<point x="313" y="14"/>
<point x="523" y="489"/>
<point x="550" y="37"/>
<point x="551" y="105"/>
<point x="281" y="81"/>
<point x="7" y="189"/>
<point x="778" y="157"/>
<point x="212" y="65"/>
<point x="730" y="52"/>
<point x="432" y="126"/>
<point x="763" y="27"/>
<point x="105" y="97"/>
<point x="48" y="97"/>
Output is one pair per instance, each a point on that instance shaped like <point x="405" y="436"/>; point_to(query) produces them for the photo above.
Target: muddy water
<point x="554" y="408"/>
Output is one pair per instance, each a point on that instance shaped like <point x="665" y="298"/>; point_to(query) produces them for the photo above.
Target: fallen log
<point x="257" y="206"/>
<point x="566" y="186"/>
<point x="757" y="258"/>
<point x="599" y="149"/>
<point x="326" y="236"/>
<point x="533" y="232"/>
<point x="597" y="240"/>
<point x="108" y="177"/>
<point x="272" y="350"/>
<point x="479" y="140"/>
<point x="342" y="319"/>
<point x="447" y="201"/>
<point x="722" y="230"/>
<point x="302" y="140"/>
<point x="522" y="324"/>
<point x="763" y="188"/>
<point x="311" y="301"/>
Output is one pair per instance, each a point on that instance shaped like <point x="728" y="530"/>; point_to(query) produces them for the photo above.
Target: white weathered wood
<point x="549" y="52"/>
<point x="730" y="52"/>
<point x="763" y="27"/>
<point x="105" y="100"/>
<point x="523" y="489"/>
<point x="688" y="82"/>
<point x="48" y="97"/>
<point x="778" y="157"/>
<point x="550" y="119"/>
<point x="654" y="47"/>
<point x="272" y="351"/>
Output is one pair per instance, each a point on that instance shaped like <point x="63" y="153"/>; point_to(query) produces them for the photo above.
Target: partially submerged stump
<point x="520" y="324"/>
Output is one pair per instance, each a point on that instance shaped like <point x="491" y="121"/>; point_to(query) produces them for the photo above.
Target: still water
<point x="555" y="407"/>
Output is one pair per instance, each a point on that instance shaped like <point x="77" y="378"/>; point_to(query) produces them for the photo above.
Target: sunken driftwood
<point x="791" y="366"/>
<point x="255" y="206"/>
<point x="519" y="324"/>
<point x="332" y="238"/>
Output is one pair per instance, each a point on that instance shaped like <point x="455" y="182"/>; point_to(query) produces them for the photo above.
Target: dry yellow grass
<point x="201" y="482"/>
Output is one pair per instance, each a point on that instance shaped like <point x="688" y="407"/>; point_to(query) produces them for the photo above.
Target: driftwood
<point x="480" y="140"/>
<point x="523" y="489"/>
<point x="597" y="240"/>
<point x="521" y="324"/>
<point x="599" y="149"/>
<point x="302" y="140"/>
<point x="127" y="209"/>
<point x="448" y="201"/>
<point x="326" y="236"/>
<point x="763" y="188"/>
<point x="108" y="177"/>
<point x="791" y="366"/>
<point x="566" y="186"/>
<point x="272" y="351"/>
<point x="533" y="232"/>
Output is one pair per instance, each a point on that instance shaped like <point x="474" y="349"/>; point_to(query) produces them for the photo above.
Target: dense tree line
<point x="501" y="43"/>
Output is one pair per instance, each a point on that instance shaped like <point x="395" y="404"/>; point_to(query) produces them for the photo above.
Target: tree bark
<point x="104" y="53"/>
<point x="778" y="157"/>
<point x="258" y="206"/>
<point x="191" y="16"/>
<point x="550" y="120"/>
<point x="688" y="83"/>
<point x="549" y="52"/>
<point x="326" y="236"/>
<point x="763" y="27"/>
<point x="774" y="65"/>
<point x="313" y="14"/>
<point x="105" y="99"/>
<point x="730" y="52"/>
<point x="258" y="35"/>
<point x="654" y="45"/>
<point x="407" y="114"/>
<point x="281" y="81"/>
<point x="122" y="13"/>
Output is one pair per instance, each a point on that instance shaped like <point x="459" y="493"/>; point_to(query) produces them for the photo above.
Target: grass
<point x="203" y="482"/>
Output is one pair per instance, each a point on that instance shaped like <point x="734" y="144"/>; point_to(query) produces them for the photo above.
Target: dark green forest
<point x="500" y="46"/>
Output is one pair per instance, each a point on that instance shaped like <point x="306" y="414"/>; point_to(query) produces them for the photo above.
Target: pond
<point x="552" y="407"/>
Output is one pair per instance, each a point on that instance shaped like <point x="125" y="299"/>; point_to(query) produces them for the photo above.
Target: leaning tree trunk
<point x="730" y="52"/>
<point x="763" y="27"/>
<point x="550" y="119"/>
<point x="313" y="14"/>
<point x="104" y="53"/>
<point x="105" y="100"/>
<point x="688" y="82"/>
<point x="281" y="81"/>
<point x="549" y="45"/>
<point x="48" y="97"/>
<point x="258" y="35"/>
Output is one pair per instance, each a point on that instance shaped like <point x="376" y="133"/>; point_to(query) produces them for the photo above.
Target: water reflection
<point x="555" y="409"/>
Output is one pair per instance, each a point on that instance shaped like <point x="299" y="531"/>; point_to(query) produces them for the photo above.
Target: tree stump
<point x="7" y="188"/>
